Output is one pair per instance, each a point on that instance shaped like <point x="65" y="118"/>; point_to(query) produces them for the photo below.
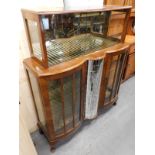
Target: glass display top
<point x="64" y="49"/>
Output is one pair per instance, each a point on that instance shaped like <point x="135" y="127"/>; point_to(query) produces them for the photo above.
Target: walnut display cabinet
<point x="75" y="66"/>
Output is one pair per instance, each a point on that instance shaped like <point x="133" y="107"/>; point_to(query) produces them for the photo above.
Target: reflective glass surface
<point x="114" y="77"/>
<point x="37" y="98"/>
<point x="34" y="36"/>
<point x="64" y="95"/>
<point x="71" y="35"/>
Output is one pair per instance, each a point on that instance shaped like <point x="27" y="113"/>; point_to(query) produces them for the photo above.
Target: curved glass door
<point x="65" y="101"/>
<point x="114" y="78"/>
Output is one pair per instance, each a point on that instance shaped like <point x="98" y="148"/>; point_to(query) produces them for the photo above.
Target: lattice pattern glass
<point x="61" y="50"/>
<point x="71" y="35"/>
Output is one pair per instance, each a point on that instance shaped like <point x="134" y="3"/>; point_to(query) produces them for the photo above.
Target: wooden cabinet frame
<point x="44" y="73"/>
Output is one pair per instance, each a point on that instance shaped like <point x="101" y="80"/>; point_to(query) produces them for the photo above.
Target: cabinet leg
<point x="114" y="103"/>
<point x="53" y="146"/>
<point x="40" y="131"/>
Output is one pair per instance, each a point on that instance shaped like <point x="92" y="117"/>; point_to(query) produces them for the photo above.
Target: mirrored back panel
<point x="68" y="36"/>
<point x="58" y="26"/>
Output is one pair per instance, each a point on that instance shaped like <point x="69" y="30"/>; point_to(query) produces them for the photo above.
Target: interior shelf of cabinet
<point x="64" y="49"/>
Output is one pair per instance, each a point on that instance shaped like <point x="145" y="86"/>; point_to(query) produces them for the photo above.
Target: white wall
<point x="27" y="106"/>
<point x="76" y="4"/>
<point x="26" y="146"/>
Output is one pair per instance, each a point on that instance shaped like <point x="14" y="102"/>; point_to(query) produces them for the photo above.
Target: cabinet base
<point x="40" y="131"/>
<point x="53" y="146"/>
<point x="125" y="79"/>
<point x="59" y="137"/>
<point x="115" y="103"/>
<point x="112" y="102"/>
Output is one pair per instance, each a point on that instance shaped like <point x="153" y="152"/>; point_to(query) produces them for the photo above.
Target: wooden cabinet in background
<point x="120" y="2"/>
<point x="130" y="65"/>
<point x="114" y="2"/>
<point x="116" y="24"/>
<point x="116" y="21"/>
<point x="130" y="68"/>
<point x="131" y="23"/>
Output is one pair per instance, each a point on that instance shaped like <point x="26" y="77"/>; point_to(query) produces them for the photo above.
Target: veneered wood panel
<point x="120" y="2"/>
<point x="110" y="82"/>
<point x="130" y="68"/>
<point x="116" y="24"/>
<point x="132" y="49"/>
<point x="114" y="2"/>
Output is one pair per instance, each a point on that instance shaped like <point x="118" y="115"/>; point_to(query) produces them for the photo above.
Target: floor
<point x="112" y="133"/>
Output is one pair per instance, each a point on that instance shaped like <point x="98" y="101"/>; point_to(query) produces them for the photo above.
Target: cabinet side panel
<point x="34" y="37"/>
<point x="37" y="98"/>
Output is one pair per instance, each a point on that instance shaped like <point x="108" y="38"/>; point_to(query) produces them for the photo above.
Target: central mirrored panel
<point x="94" y="75"/>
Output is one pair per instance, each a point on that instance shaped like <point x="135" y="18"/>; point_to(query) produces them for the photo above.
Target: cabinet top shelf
<point x="49" y="10"/>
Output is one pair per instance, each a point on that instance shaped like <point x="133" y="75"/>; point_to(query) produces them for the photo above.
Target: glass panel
<point x="111" y="78"/>
<point x="71" y="35"/>
<point x="93" y="88"/>
<point x="37" y="98"/>
<point x="116" y="24"/>
<point x="33" y="31"/>
<point x="54" y="89"/>
<point x="118" y="74"/>
<point x="77" y="95"/>
<point x="56" y="95"/>
<point x="68" y="101"/>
